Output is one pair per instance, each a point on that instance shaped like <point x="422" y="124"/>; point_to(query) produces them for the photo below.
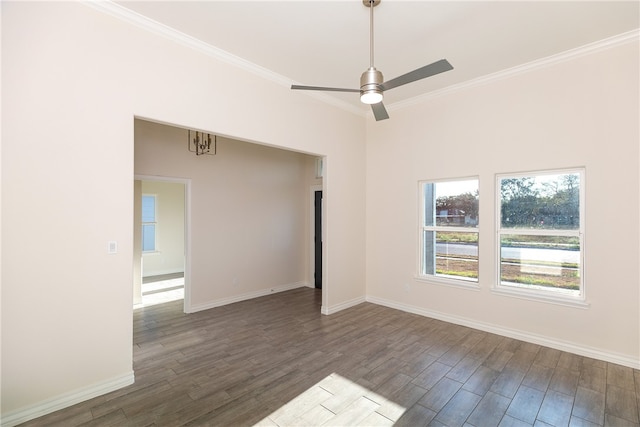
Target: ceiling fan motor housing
<point x="370" y="82"/>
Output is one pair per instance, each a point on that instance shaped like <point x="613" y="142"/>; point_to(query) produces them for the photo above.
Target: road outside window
<point x="449" y="230"/>
<point x="540" y="233"/>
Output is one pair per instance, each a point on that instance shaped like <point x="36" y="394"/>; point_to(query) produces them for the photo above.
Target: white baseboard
<point x="162" y="272"/>
<point x="567" y="346"/>
<point x="246" y="296"/>
<point x="65" y="400"/>
<point x="342" y="306"/>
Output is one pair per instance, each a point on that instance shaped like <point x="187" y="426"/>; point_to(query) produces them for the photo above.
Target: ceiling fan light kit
<point x="370" y="81"/>
<point x="372" y="84"/>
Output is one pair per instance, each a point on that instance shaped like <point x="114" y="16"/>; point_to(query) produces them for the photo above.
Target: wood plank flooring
<point x="276" y="361"/>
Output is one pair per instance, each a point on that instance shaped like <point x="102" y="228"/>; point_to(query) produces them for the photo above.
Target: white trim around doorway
<point x="187" y="230"/>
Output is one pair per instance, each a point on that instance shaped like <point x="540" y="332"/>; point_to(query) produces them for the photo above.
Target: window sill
<point x="540" y="296"/>
<point x="452" y="283"/>
<point x="150" y="253"/>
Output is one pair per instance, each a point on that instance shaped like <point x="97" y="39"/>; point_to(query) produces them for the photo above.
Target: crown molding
<point x="127" y="15"/>
<point x="591" y="48"/>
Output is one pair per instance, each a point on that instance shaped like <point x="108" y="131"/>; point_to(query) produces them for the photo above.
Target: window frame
<point x="461" y="282"/>
<point x="533" y="292"/>
<point x="154" y="223"/>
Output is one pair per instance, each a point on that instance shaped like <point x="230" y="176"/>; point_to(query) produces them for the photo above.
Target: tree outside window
<point x="540" y="232"/>
<point x="449" y="230"/>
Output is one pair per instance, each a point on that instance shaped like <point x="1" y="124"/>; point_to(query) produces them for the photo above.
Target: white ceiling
<point x="326" y="43"/>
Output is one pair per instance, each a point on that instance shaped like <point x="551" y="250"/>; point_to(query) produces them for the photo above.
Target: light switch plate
<point x="112" y="247"/>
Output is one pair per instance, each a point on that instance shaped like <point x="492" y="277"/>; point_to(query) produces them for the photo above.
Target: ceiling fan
<point x="372" y="84"/>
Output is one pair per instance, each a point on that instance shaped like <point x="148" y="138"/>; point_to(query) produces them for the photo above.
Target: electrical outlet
<point x="112" y="247"/>
<point x="407" y="287"/>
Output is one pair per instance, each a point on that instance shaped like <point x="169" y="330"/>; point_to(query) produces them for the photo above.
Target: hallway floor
<point x="161" y="289"/>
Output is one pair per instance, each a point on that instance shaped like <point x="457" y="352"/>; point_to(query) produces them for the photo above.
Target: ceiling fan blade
<point x="379" y="112"/>
<point x="427" y="71"/>
<point x="329" y="89"/>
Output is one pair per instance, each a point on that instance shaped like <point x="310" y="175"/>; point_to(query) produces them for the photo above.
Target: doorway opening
<point x="160" y="243"/>
<point x="257" y="230"/>
<point x="316" y="236"/>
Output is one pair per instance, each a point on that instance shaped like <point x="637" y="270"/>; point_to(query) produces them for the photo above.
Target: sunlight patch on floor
<point x="162" y="291"/>
<point x="336" y="401"/>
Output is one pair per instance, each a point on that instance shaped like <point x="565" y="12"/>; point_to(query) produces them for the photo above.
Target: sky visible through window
<point x="452" y="188"/>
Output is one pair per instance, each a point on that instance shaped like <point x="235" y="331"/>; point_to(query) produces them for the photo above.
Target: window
<point x="148" y="223"/>
<point x="540" y="234"/>
<point x="319" y="167"/>
<point x="449" y="230"/>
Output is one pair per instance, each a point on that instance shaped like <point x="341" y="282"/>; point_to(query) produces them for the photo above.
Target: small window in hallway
<point x="148" y="223"/>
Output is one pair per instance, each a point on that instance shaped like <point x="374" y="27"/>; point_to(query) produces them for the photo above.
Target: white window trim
<point x="449" y="281"/>
<point x="541" y="296"/>
<point x="528" y="292"/>
<point x="456" y="282"/>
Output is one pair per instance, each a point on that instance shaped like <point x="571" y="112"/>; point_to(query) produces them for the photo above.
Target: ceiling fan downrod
<point x="371" y="4"/>
<point x="370" y="93"/>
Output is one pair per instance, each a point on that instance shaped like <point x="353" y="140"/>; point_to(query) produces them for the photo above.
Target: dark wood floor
<point x="276" y="360"/>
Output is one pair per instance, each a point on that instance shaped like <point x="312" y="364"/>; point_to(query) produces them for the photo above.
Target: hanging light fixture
<point x="201" y="143"/>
